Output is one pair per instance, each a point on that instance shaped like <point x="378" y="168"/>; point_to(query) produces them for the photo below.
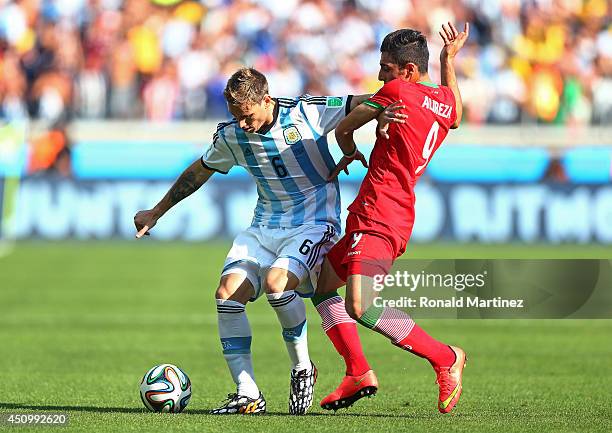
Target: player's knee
<point x="274" y="284"/>
<point x="227" y="287"/>
<point x="235" y="288"/>
<point x="354" y="310"/>
<point x="280" y="280"/>
<point x="223" y="292"/>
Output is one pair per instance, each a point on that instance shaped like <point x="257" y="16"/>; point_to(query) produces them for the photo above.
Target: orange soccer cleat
<point x="350" y="390"/>
<point x="449" y="379"/>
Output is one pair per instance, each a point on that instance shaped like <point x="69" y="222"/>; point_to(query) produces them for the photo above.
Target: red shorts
<point x="367" y="248"/>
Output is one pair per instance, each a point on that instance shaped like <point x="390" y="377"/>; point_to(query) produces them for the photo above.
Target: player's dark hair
<point x="407" y="46"/>
<point x="246" y="86"/>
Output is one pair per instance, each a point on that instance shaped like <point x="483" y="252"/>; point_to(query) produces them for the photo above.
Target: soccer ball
<point x="165" y="388"/>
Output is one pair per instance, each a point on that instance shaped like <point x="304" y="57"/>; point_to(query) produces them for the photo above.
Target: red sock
<point x="422" y="344"/>
<point x="342" y="331"/>
<point x="346" y="341"/>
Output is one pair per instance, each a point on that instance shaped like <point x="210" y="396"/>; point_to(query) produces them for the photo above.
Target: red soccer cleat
<point x="449" y="379"/>
<point x="350" y="390"/>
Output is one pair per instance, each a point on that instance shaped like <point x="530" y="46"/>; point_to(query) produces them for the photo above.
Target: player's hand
<point x="344" y="163"/>
<point x="390" y="114"/>
<point x="144" y="221"/>
<point x="453" y="40"/>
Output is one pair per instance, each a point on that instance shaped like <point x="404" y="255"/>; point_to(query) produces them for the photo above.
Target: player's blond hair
<point x="245" y="87"/>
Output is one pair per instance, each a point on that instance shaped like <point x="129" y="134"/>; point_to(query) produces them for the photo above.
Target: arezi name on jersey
<point x="437" y="107"/>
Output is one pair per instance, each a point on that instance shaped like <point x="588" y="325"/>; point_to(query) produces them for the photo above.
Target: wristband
<point x="351" y="154"/>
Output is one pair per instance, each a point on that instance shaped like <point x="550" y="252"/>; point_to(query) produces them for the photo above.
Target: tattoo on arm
<point x="192" y="178"/>
<point x="184" y="186"/>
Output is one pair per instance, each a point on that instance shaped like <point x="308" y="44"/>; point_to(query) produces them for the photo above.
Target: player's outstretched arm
<point x="361" y="115"/>
<point x="453" y="42"/>
<point x="188" y="182"/>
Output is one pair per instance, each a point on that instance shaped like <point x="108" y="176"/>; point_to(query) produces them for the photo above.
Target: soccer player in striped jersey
<point x="282" y="143"/>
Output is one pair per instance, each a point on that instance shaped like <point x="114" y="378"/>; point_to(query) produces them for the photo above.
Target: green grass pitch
<point x="80" y="323"/>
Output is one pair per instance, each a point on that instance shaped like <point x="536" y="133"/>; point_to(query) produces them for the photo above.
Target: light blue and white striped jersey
<point x="290" y="162"/>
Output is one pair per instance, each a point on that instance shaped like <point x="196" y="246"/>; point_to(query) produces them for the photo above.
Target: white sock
<point x="235" y="334"/>
<point x="291" y="313"/>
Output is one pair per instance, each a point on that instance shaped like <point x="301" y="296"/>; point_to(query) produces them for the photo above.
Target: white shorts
<point x="300" y="250"/>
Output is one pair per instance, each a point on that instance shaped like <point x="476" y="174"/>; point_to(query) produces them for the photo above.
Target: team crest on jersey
<point x="292" y="135"/>
<point x="333" y="101"/>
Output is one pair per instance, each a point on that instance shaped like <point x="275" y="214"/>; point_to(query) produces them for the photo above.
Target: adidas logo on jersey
<point x="333" y="101"/>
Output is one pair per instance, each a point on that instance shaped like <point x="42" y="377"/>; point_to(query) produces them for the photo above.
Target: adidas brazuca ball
<point x="165" y="388"/>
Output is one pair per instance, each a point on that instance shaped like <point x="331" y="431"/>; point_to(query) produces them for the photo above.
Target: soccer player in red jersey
<point x="380" y="219"/>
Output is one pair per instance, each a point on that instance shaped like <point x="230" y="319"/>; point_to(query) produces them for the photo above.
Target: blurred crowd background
<point x="540" y="68"/>
<point x="545" y="61"/>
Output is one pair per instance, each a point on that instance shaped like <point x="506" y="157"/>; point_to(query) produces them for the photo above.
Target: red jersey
<point x="387" y="191"/>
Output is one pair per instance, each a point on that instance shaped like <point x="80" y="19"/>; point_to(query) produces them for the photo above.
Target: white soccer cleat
<point x="241" y="405"/>
<point x="301" y="392"/>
